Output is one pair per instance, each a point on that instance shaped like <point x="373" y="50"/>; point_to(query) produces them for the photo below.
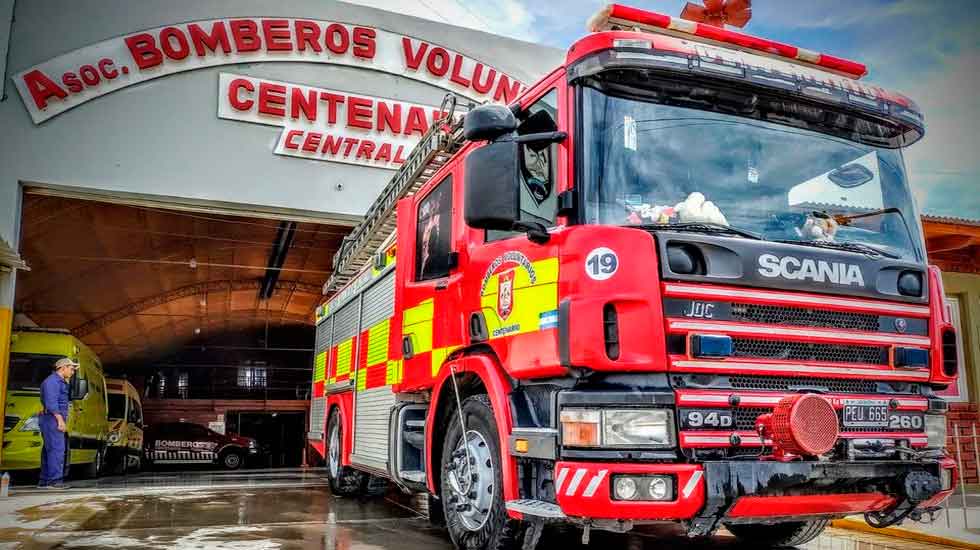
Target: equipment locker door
<point x="373" y="398"/>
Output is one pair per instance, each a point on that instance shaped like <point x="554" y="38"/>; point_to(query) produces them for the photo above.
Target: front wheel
<point x="472" y="481"/>
<point x="778" y="535"/>
<point x="97" y="467"/>
<point x="232" y="460"/>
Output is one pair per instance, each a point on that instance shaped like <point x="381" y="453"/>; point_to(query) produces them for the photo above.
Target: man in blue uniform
<point x="54" y="423"/>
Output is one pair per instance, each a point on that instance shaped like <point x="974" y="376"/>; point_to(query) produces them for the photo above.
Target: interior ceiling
<point x="124" y="280"/>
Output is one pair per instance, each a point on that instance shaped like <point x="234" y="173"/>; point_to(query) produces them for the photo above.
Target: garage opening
<point x="209" y="316"/>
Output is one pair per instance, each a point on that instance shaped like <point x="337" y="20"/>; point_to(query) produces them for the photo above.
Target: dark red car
<point x="186" y="443"/>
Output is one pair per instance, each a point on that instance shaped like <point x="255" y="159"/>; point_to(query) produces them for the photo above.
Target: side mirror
<point x="488" y="122"/>
<point x="79" y="389"/>
<point x="492" y="198"/>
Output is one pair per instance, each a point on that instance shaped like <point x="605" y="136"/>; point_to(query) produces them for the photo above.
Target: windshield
<point x="28" y="370"/>
<point x="659" y="165"/>
<point x="117" y="406"/>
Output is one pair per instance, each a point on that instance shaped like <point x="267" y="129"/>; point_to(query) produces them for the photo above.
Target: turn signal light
<point x="580" y="428"/>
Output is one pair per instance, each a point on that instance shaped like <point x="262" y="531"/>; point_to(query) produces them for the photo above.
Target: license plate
<point x="865" y="413"/>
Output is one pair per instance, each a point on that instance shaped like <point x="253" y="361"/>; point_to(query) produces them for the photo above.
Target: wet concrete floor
<point x="277" y="509"/>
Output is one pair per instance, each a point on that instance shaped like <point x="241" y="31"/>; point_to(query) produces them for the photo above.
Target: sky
<point x="928" y="50"/>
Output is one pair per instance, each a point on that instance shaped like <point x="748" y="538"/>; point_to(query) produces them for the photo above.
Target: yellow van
<point x="125" y="427"/>
<point x="33" y="352"/>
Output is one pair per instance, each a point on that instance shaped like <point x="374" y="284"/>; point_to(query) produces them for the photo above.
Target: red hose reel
<point x="801" y="425"/>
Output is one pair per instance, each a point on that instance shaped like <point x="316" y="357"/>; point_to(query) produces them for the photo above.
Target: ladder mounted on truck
<point x="435" y="148"/>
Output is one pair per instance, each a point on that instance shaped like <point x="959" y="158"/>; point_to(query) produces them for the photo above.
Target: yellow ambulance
<point x="125" y="427"/>
<point x="33" y="353"/>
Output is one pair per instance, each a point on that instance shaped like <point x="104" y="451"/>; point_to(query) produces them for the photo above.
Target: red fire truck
<point x="681" y="279"/>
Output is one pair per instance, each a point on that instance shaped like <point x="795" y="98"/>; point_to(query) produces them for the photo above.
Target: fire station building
<point x="176" y="177"/>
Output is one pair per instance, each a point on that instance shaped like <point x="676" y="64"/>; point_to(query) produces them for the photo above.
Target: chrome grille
<point x="807" y="351"/>
<point x="804" y="317"/>
<point x="784" y="383"/>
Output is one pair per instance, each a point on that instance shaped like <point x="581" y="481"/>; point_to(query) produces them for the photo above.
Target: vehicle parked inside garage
<point x="125" y="452"/>
<point x="187" y="443"/>
<point x="33" y="352"/>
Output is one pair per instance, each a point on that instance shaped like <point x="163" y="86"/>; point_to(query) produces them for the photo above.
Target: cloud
<point x="927" y="50"/>
<point x="504" y="17"/>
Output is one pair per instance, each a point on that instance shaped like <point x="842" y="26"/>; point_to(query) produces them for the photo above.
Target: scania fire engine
<point x="680" y="279"/>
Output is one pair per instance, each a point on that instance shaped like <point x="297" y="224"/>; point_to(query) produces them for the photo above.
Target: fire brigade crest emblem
<point x="505" y="293"/>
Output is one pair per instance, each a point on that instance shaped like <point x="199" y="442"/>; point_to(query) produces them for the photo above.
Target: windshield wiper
<point x="860" y="248"/>
<point x="701" y="227"/>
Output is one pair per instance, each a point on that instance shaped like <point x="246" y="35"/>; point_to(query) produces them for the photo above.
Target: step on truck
<point x="681" y="279"/>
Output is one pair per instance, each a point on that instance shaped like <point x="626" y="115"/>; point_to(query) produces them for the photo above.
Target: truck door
<point x="428" y="290"/>
<point x="512" y="283"/>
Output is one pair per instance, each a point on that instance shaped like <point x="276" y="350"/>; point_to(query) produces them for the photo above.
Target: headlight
<point x="31" y="425"/>
<point x="114" y="437"/>
<point x="946" y="479"/>
<point x="617" y="428"/>
<point x="638" y="428"/>
<point x="643" y="487"/>
<point x="252" y="444"/>
<point x="935" y="431"/>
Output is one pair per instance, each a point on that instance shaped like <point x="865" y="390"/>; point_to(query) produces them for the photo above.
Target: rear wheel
<point x="344" y="480"/>
<point x="793" y="533"/>
<point x="472" y="482"/>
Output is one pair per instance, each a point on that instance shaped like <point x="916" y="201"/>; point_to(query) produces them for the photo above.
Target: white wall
<point x="163" y="137"/>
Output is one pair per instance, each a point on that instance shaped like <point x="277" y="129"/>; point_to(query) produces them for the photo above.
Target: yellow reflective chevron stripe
<point x="439" y="357"/>
<point x="361" y="379"/>
<point x="344" y="356"/>
<point x="320" y="366"/>
<point x="417" y="324"/>
<point x="531" y="303"/>
<point x="393" y="372"/>
<point x="377" y="346"/>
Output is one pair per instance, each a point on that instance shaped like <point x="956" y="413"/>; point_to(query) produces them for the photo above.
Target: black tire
<point x="97" y="467"/>
<point x="778" y="535"/>
<point x="344" y="480"/>
<point x="137" y="466"/>
<point x="475" y="528"/>
<point x="231" y="459"/>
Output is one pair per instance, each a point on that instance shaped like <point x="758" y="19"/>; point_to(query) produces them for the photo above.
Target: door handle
<point x="442" y="285"/>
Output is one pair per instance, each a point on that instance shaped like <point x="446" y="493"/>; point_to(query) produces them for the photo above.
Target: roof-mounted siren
<point x="625" y="18"/>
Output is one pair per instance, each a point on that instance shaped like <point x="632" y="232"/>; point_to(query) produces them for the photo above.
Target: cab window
<point x="117" y="406"/>
<point x="135" y="414"/>
<point x="433" y="240"/>
<point x="538" y="166"/>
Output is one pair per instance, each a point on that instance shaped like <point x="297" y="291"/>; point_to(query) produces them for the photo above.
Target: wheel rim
<point x="231" y="460"/>
<point x="472" y="485"/>
<point x="333" y="452"/>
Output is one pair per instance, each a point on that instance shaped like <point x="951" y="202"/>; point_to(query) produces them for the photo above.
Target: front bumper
<point x="22" y="451"/>
<point x="711" y="492"/>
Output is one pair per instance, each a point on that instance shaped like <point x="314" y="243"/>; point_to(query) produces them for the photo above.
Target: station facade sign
<point x="71" y="79"/>
<point x="325" y="124"/>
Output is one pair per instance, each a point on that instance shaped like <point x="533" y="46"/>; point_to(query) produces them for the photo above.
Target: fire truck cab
<point x="681" y="279"/>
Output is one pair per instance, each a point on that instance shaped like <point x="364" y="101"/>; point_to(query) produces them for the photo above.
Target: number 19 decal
<point x="601" y="264"/>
